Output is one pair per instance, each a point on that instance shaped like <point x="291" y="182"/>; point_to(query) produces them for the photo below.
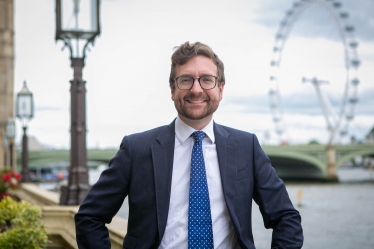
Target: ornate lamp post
<point x="25" y="112"/>
<point x="77" y="21"/>
<point x="10" y="133"/>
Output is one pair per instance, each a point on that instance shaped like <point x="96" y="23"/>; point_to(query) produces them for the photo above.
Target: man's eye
<point x="185" y="80"/>
<point x="207" y="79"/>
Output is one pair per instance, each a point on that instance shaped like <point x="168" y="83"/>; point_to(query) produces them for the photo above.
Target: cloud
<point x="302" y="115"/>
<point x="302" y="102"/>
<point x="249" y="104"/>
<point x="315" y="19"/>
<point x="47" y="108"/>
<point x="361" y="14"/>
<point x="365" y="105"/>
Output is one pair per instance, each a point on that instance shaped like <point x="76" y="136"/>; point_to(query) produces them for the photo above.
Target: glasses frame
<point x="198" y="80"/>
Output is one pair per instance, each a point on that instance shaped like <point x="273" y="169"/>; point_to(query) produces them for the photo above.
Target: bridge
<point x="308" y="162"/>
<point x="312" y="161"/>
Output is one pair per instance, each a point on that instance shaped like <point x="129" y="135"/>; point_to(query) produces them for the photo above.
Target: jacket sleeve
<point x="103" y="201"/>
<point x="275" y="205"/>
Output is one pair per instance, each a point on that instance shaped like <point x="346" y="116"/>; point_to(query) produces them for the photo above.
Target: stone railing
<point x="59" y="220"/>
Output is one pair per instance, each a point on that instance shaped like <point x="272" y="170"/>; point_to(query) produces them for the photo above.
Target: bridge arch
<point x="297" y="166"/>
<point x="349" y="156"/>
<point x="47" y="157"/>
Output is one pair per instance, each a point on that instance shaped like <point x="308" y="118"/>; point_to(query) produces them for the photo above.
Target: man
<point x="179" y="201"/>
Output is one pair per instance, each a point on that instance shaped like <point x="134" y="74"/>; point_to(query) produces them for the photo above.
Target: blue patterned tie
<point x="200" y="234"/>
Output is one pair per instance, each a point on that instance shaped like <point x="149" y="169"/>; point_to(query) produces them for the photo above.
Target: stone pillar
<point x="331" y="163"/>
<point x="6" y="75"/>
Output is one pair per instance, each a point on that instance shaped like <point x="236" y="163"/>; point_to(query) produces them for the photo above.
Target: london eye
<point x="337" y="114"/>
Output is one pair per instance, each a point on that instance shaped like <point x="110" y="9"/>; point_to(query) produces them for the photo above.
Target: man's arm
<point x="103" y="201"/>
<point x="275" y="205"/>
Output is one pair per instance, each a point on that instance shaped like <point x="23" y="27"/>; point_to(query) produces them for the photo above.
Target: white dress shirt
<point x="176" y="232"/>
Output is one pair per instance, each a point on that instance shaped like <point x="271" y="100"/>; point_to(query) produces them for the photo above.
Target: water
<point x="94" y="176"/>
<point x="334" y="215"/>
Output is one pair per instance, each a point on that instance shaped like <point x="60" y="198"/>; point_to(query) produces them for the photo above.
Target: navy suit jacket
<point x="142" y="170"/>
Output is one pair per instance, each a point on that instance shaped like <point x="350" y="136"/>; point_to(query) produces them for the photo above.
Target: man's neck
<point x="196" y="124"/>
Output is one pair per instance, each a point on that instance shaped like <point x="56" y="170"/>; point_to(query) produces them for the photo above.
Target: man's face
<point x="196" y="106"/>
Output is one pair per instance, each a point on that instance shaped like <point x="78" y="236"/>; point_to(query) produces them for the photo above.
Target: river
<point x="334" y="215"/>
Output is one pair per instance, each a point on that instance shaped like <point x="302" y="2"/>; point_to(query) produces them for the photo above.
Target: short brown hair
<point x="188" y="50"/>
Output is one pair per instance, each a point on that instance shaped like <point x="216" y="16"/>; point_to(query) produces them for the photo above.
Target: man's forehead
<point x="199" y="59"/>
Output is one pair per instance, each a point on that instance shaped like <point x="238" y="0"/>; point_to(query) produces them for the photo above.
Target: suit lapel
<point x="162" y="157"/>
<point x="227" y="153"/>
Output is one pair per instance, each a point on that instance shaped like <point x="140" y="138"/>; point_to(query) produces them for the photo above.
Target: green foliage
<point x="21" y="226"/>
<point x="313" y="141"/>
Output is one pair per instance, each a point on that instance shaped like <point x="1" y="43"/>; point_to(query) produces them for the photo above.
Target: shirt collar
<point x="184" y="131"/>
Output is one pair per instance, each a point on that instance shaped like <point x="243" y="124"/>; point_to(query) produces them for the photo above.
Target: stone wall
<point x="59" y="220"/>
<point x="6" y="76"/>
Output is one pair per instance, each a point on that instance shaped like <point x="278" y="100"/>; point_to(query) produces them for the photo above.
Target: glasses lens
<point x="207" y="81"/>
<point x="185" y="82"/>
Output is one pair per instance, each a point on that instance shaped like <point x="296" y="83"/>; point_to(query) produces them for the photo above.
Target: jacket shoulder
<point x="234" y="133"/>
<point x="147" y="134"/>
<point x="150" y="137"/>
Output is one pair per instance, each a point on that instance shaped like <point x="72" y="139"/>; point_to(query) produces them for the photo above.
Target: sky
<point x="128" y="67"/>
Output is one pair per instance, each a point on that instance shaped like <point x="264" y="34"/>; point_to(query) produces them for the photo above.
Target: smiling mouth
<point x="195" y="101"/>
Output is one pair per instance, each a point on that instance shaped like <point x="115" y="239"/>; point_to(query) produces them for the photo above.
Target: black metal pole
<point x="11" y="153"/>
<point x="25" y="157"/>
<point x="78" y="171"/>
<point x="5" y="156"/>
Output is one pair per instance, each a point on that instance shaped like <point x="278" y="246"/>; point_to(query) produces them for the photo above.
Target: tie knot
<point x="198" y="136"/>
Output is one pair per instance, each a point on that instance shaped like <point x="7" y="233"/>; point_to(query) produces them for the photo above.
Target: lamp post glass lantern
<point x="10" y="129"/>
<point x="25" y="105"/>
<point x="77" y="16"/>
<point x="25" y="112"/>
<point x="77" y="21"/>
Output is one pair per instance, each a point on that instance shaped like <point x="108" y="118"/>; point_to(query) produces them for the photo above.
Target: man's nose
<point x="196" y="86"/>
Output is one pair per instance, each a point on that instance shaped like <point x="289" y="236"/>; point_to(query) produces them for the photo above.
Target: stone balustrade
<point x="59" y="220"/>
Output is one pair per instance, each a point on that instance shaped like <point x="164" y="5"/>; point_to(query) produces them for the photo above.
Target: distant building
<point x="369" y="138"/>
<point x="33" y="144"/>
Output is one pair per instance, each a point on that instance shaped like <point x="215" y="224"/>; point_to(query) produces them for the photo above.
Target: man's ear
<point x="172" y="89"/>
<point x="221" y="87"/>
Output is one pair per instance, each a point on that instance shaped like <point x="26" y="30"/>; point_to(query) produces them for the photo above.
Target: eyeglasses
<point x="206" y="82"/>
